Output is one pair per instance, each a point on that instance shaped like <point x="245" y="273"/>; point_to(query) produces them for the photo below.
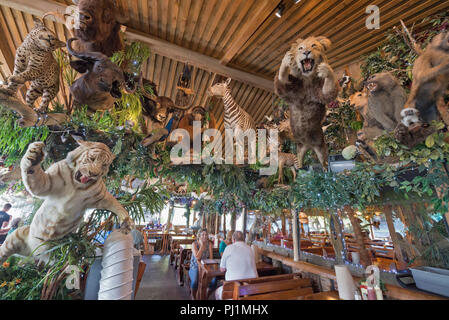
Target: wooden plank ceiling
<point x="242" y="34"/>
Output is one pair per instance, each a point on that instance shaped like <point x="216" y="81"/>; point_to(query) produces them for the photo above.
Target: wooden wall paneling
<point x="281" y="44"/>
<point x="265" y="105"/>
<point x="256" y="18"/>
<point x="204" y="20"/>
<point x="144" y="15"/>
<point x="178" y="72"/>
<point x="181" y="23"/>
<point x="157" y="73"/>
<point x="192" y="20"/>
<point x="370" y="44"/>
<point x="290" y="24"/>
<point x="222" y="26"/>
<point x="244" y="15"/>
<point x="173" y="20"/>
<point x="171" y="81"/>
<point x="217" y="15"/>
<point x="154" y="23"/>
<point x="165" y="31"/>
<point x="164" y="75"/>
<point x="264" y="33"/>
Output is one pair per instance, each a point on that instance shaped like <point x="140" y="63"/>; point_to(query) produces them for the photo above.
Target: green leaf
<point x="430" y="141"/>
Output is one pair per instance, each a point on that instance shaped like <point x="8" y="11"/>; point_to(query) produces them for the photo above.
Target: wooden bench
<point x="273" y="290"/>
<point x="278" y="287"/>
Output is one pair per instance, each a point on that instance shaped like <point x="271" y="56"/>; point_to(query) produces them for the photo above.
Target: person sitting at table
<point x="226" y="242"/>
<point x="201" y="249"/>
<point x="238" y="262"/>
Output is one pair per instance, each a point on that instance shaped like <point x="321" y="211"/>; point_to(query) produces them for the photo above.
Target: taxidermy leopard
<point x="68" y="188"/>
<point x="34" y="62"/>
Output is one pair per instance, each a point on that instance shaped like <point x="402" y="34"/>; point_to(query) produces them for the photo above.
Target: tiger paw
<point x="33" y="156"/>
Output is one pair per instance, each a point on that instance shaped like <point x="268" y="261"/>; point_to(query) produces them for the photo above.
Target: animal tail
<point x="296" y="163"/>
<point x="16" y="242"/>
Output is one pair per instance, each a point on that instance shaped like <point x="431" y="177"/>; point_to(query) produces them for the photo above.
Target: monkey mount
<point x="414" y="134"/>
<point x="30" y="117"/>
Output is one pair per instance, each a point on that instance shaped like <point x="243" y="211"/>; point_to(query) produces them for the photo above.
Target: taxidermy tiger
<point x="68" y="188"/>
<point x="35" y="62"/>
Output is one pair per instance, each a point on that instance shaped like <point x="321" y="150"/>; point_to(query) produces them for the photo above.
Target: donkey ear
<point x="325" y="42"/>
<point x="228" y="81"/>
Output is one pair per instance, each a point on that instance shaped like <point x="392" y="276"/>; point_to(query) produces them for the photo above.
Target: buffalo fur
<point x="99" y="27"/>
<point x="307" y="92"/>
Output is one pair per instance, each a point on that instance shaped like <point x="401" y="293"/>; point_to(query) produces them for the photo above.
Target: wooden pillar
<point x="224" y="224"/>
<point x="233" y="221"/>
<point x="394" y="237"/>
<point x="336" y="237"/>
<point x="245" y="219"/>
<point x="188" y="215"/>
<point x="283" y="224"/>
<point x="296" y="235"/>
<point x="364" y="255"/>
<point x="290" y="226"/>
<point x="171" y="210"/>
<point x="203" y="219"/>
<point x="217" y="223"/>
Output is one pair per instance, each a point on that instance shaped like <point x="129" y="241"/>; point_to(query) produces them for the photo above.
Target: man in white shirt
<point x="237" y="261"/>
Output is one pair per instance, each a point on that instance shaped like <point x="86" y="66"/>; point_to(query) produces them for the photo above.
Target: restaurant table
<point x="206" y="272"/>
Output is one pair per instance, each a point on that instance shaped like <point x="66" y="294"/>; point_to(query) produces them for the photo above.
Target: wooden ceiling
<point x="238" y="38"/>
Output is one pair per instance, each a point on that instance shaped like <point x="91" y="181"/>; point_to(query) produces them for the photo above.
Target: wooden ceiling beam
<point x="257" y="18"/>
<point x="159" y="46"/>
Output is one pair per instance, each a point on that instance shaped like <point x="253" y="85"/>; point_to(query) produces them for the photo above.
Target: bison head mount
<point x="99" y="26"/>
<point x="101" y="82"/>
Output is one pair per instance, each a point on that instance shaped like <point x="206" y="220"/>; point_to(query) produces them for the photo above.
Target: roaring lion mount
<point x="68" y="188"/>
<point x="307" y="84"/>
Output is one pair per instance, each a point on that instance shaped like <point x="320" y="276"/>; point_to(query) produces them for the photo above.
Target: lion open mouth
<point x="307" y="65"/>
<point x="81" y="178"/>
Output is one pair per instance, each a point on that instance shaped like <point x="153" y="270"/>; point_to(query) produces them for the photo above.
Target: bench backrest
<point x="228" y="286"/>
<point x="273" y="290"/>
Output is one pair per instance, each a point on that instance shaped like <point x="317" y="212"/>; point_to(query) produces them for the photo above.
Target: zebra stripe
<point x="235" y="115"/>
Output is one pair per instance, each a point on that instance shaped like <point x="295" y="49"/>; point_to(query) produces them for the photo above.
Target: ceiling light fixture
<point x="280" y="10"/>
<point x="297" y="1"/>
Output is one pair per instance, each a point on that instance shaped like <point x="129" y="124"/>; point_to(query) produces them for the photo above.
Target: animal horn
<point x="95" y="56"/>
<point x="135" y="87"/>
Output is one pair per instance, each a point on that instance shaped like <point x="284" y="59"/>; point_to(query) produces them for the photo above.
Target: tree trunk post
<point x="394" y="238"/>
<point x="296" y="235"/>
<point x="233" y="221"/>
<point x="336" y="237"/>
<point x="245" y="221"/>
<point x="364" y="255"/>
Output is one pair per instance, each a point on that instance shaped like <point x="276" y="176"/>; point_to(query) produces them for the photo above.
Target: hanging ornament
<point x="184" y="87"/>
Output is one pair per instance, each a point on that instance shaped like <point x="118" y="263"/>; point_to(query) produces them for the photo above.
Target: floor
<point x="159" y="281"/>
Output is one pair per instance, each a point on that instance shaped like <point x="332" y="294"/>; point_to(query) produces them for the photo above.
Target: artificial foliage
<point x="229" y="187"/>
